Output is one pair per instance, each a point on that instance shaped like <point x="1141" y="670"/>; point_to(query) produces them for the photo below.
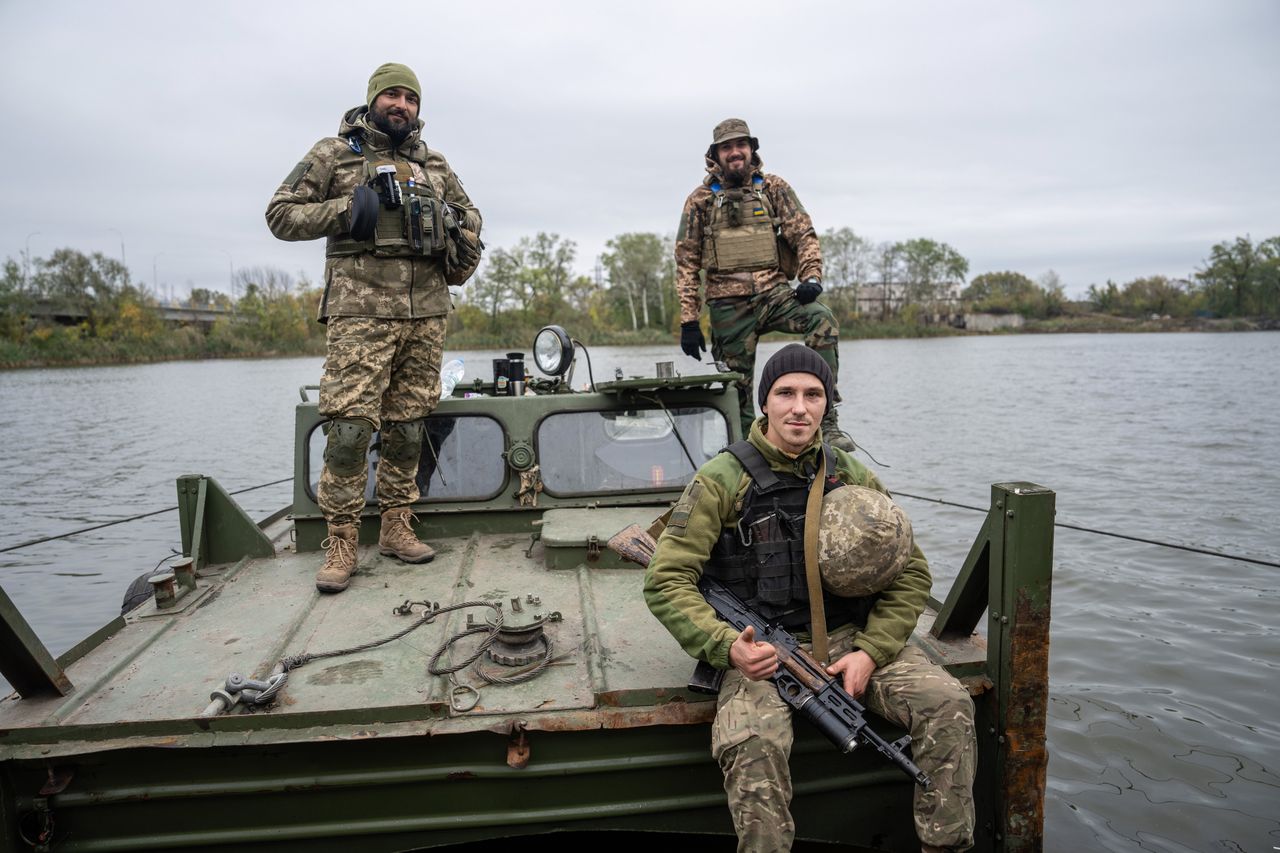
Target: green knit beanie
<point x="392" y="74"/>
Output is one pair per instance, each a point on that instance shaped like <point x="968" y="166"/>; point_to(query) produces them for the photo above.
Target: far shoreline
<point x="464" y="341"/>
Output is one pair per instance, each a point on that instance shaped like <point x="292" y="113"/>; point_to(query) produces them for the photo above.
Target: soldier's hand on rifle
<point x="691" y="339"/>
<point x="855" y="671"/>
<point x="756" y="661"/>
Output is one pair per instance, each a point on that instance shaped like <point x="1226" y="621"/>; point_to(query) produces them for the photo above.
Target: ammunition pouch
<point x="347" y="445"/>
<point x="409" y="221"/>
<point x="741" y="234"/>
<point x="402" y="443"/>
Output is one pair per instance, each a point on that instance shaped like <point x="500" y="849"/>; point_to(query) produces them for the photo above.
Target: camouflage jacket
<point x="713" y="501"/>
<point x="797" y="230"/>
<point x="313" y="202"/>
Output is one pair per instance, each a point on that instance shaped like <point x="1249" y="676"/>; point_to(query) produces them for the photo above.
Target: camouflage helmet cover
<point x="731" y="128"/>
<point x="864" y="541"/>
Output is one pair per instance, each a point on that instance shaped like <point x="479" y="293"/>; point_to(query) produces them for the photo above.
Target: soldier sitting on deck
<point x="751" y="735"/>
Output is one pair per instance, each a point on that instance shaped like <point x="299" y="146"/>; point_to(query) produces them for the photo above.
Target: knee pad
<point x="402" y="443"/>
<point x="348" y="445"/>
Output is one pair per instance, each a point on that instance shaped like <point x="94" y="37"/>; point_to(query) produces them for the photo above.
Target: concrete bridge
<point x="178" y="315"/>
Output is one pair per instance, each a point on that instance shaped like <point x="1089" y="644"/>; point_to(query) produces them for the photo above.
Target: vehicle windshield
<point x="635" y="450"/>
<point x="461" y="460"/>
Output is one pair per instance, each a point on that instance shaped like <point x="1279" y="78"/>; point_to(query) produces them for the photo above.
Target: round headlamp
<point x="552" y="350"/>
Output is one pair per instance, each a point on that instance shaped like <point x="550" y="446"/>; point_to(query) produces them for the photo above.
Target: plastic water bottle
<point x="450" y="376"/>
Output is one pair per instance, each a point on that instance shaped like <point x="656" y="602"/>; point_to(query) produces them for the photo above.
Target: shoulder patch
<point x="299" y="172"/>
<point x="684" y="508"/>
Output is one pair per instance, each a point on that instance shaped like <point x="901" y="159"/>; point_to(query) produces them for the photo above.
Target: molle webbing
<point x="741" y="233"/>
<point x="413" y="224"/>
<point x="762" y="557"/>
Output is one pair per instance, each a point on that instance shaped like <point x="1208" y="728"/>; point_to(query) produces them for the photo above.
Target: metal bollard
<point x="164" y="588"/>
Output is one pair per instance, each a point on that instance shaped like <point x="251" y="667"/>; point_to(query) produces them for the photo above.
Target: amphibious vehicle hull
<point x="123" y="743"/>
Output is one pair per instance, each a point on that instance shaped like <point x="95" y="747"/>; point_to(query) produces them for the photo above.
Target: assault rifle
<point x="802" y="682"/>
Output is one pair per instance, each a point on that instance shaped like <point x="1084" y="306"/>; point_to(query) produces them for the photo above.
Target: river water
<point x="1163" y="733"/>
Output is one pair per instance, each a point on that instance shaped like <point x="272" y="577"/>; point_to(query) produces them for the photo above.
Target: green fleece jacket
<point x="713" y="501"/>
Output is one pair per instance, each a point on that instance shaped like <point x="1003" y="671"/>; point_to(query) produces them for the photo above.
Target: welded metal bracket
<point x="24" y="660"/>
<point x="214" y="527"/>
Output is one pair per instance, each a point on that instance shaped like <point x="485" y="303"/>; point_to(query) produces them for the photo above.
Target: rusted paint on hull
<point x="1026" y="758"/>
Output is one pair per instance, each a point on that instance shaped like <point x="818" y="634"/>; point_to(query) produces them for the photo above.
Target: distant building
<point x="877" y="299"/>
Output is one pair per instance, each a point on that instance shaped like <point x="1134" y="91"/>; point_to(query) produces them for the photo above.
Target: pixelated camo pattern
<point x="312" y="203"/>
<point x="382" y="371"/>
<point x="752" y="736"/>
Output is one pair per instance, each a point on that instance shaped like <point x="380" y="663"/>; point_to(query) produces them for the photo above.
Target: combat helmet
<point x="864" y="541"/>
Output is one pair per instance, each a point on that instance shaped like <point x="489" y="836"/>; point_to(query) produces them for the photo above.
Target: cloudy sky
<point x="1098" y="139"/>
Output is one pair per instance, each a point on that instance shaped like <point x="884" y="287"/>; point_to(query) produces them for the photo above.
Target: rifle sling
<point x="812" y="518"/>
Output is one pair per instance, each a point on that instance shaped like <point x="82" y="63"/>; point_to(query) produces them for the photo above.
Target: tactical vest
<point x="741" y="233"/>
<point x="762" y="557"/>
<point x="412" y="222"/>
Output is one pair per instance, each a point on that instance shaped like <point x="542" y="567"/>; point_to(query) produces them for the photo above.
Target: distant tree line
<point x="1238" y="279"/>
<point x="76" y="307"/>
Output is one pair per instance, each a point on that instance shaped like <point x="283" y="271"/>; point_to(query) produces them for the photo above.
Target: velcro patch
<point x="299" y="172"/>
<point x="684" y="508"/>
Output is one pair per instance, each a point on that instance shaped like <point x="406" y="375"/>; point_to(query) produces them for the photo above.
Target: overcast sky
<point x="1098" y="139"/>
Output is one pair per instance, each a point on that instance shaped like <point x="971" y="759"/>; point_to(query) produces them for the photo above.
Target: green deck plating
<point x="110" y="748"/>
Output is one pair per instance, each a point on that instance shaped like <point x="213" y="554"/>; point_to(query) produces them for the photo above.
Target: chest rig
<point x="741" y="233"/>
<point x="412" y="221"/>
<point x="761" y="558"/>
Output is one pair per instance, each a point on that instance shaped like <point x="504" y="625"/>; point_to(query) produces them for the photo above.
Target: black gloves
<point x="808" y="290"/>
<point x="691" y="339"/>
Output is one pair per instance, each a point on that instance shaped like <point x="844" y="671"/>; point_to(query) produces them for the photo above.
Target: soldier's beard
<point x="736" y="177"/>
<point x="397" y="132"/>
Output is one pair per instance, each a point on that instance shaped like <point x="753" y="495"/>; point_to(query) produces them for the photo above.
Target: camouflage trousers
<point x="738" y="322"/>
<point x="751" y="740"/>
<point x="384" y="371"/>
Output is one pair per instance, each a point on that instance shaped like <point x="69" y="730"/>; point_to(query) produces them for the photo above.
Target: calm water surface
<point x="1163" y="733"/>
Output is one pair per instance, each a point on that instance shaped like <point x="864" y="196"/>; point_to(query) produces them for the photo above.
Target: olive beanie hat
<point x="389" y="75"/>
<point x="796" y="358"/>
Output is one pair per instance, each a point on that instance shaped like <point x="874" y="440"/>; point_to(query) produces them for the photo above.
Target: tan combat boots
<point x="339" y="558"/>
<point x="397" y="538"/>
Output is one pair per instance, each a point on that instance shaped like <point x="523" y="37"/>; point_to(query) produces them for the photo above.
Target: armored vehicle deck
<point x="578" y="718"/>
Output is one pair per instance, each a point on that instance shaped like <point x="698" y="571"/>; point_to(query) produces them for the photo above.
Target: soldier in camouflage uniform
<point x="744" y="232"/>
<point x="752" y="735"/>
<point x="399" y="229"/>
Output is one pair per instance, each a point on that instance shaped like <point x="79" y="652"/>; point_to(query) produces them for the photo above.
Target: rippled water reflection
<point x="1163" y="668"/>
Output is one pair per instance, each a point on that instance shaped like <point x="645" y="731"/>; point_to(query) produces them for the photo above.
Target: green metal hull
<point x="108" y="749"/>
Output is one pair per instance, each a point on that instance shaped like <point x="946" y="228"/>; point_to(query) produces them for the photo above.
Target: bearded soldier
<point x="745" y="232"/>
<point x="399" y="228"/>
<point x="740" y="521"/>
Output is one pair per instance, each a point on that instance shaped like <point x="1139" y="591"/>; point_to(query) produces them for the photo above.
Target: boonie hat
<point x="730" y="128"/>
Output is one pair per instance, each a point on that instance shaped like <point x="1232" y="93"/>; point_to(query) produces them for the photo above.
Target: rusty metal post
<point x="1018" y="655"/>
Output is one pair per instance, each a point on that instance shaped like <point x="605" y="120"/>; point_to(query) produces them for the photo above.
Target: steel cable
<point x="1222" y="554"/>
<point x="126" y="520"/>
